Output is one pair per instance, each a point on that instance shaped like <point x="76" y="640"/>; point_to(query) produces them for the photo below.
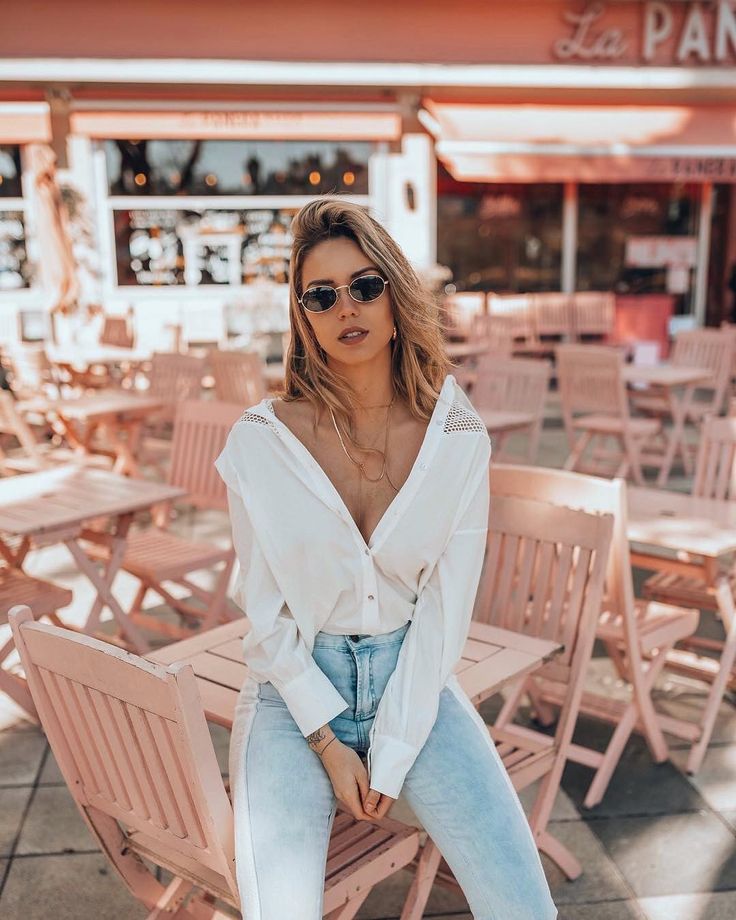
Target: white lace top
<point x="305" y="567"/>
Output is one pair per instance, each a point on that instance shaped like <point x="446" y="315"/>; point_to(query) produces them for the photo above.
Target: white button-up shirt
<point x="305" y="567"/>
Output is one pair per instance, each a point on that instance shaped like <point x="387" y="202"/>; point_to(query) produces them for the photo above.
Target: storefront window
<point x="500" y="237"/>
<point x="212" y="167"/>
<point x="10" y="171"/>
<point x="201" y="246"/>
<point x="638" y="239"/>
<point x="15" y="270"/>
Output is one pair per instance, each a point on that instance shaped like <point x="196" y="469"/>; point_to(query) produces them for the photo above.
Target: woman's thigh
<point x="284" y="807"/>
<point x="460" y="791"/>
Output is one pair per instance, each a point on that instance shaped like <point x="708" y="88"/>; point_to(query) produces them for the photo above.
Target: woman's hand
<point x="377" y="804"/>
<point x="349" y="778"/>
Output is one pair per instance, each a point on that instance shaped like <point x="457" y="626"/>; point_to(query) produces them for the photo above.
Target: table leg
<point x="125" y="448"/>
<point x="102" y="581"/>
<point x="677" y="411"/>
<point x="15" y="559"/>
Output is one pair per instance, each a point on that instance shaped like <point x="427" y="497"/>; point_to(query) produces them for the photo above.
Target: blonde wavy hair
<point x="418" y="359"/>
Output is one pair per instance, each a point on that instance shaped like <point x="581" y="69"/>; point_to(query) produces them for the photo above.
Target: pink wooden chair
<point x="157" y="556"/>
<point x="637" y="634"/>
<point x="238" y="377"/>
<point x="31" y="373"/>
<point x="175" y="377"/>
<point x="18" y="588"/>
<point x="551" y="322"/>
<point x="519" y="308"/>
<point x="593" y="314"/>
<point x="543" y="576"/>
<point x="497" y="331"/>
<point x="459" y="309"/>
<point x="699" y="583"/>
<point x="133" y="747"/>
<point x="517" y="384"/>
<point x="118" y="331"/>
<point x="595" y="408"/>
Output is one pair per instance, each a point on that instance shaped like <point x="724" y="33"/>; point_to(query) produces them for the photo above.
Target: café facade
<point x="538" y="146"/>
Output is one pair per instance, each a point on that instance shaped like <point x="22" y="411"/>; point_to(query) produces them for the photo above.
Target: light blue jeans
<point x="458" y="788"/>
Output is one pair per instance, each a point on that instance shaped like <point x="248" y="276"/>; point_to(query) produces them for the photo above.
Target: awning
<point x="238" y="125"/>
<point x="24" y="122"/>
<point x="585" y="143"/>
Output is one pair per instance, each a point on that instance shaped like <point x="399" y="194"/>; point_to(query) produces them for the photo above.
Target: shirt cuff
<point x="312" y="699"/>
<point x="389" y="761"/>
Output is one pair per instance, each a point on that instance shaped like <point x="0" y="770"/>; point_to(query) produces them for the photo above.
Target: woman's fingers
<point x="370" y="801"/>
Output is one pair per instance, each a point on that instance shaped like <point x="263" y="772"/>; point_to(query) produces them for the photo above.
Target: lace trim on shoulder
<point x="460" y="418"/>
<point x="257" y="419"/>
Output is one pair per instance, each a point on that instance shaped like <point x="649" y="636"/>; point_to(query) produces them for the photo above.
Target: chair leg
<point x="171" y="900"/>
<point x="578" y="450"/>
<point x="421" y="886"/>
<point x="559" y="854"/>
<point x="349" y="910"/>
<point x="728" y="615"/>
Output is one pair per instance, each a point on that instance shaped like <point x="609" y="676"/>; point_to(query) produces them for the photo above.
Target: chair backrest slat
<point x="132" y="743"/>
<point x="200" y="430"/>
<point x="591" y="380"/>
<point x="176" y="377"/>
<point x="715" y="468"/>
<point x="238" y="377"/>
<point x="562" y="599"/>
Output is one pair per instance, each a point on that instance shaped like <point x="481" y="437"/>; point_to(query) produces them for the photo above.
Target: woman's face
<point x="335" y="262"/>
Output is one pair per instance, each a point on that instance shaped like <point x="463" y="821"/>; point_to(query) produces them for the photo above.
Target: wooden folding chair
<point x="551" y="314"/>
<point x="156" y="556"/>
<point x="593" y="314"/>
<point x="46" y="598"/>
<point x="543" y="576"/>
<point x="118" y="331"/>
<point x="517" y="384"/>
<point x="700" y="583"/>
<point x="497" y="331"/>
<point x="519" y="308"/>
<point x="132" y="743"/>
<point x="595" y="408"/>
<point x="637" y="634"/>
<point x="238" y="376"/>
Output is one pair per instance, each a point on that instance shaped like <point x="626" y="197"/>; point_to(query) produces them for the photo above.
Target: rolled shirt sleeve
<point x="274" y="650"/>
<point x="434" y="642"/>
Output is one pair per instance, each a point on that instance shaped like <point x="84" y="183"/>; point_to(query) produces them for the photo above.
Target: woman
<point x="359" y="507"/>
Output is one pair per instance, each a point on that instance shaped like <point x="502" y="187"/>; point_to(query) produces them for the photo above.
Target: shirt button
<point x="370" y="597"/>
<point x="367" y="552"/>
<point x="422" y="466"/>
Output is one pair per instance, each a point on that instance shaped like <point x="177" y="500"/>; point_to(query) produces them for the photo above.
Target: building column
<point x="703" y="252"/>
<point x="569" y="238"/>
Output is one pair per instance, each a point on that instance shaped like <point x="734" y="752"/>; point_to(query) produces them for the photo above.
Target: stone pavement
<point x="661" y="845"/>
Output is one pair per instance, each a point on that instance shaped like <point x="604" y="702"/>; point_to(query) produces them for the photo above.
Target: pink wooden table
<point x="53" y="506"/>
<point x="492" y="658"/>
<point x="676" y="384"/>
<point x="118" y="414"/>
<point x="689" y="528"/>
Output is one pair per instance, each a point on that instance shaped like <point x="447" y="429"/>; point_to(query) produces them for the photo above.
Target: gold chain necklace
<point x="362" y="474"/>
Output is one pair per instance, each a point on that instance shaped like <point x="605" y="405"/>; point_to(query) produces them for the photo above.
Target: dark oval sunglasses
<point x="321" y="298"/>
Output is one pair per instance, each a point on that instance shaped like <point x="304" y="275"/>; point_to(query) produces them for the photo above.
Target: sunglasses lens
<point x="319" y="299"/>
<point x="367" y="288"/>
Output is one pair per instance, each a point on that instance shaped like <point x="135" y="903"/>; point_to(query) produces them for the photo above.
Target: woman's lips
<point x="354" y="339"/>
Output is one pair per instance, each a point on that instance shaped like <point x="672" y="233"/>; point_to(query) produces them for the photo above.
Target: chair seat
<point x="43" y="597"/>
<point x="672" y="588"/>
<point x="645" y="402"/>
<point x="657" y="625"/>
<point x="609" y="424"/>
<point x="360" y="855"/>
<point x="157" y="555"/>
<point x="527" y="755"/>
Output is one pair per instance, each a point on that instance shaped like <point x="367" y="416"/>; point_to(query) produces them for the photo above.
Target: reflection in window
<point x="194" y="247"/>
<point x="500" y="237"/>
<point x="10" y="171"/>
<point x="615" y="221"/>
<point x="15" y="270"/>
<point x="213" y="167"/>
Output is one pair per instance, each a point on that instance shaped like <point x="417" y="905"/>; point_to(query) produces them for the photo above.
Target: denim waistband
<point x="329" y="640"/>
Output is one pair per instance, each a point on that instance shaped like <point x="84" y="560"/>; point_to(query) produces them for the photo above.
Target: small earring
<point x="394" y="335"/>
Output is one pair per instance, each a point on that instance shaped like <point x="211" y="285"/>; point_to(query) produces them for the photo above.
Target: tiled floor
<point x="661" y="845"/>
